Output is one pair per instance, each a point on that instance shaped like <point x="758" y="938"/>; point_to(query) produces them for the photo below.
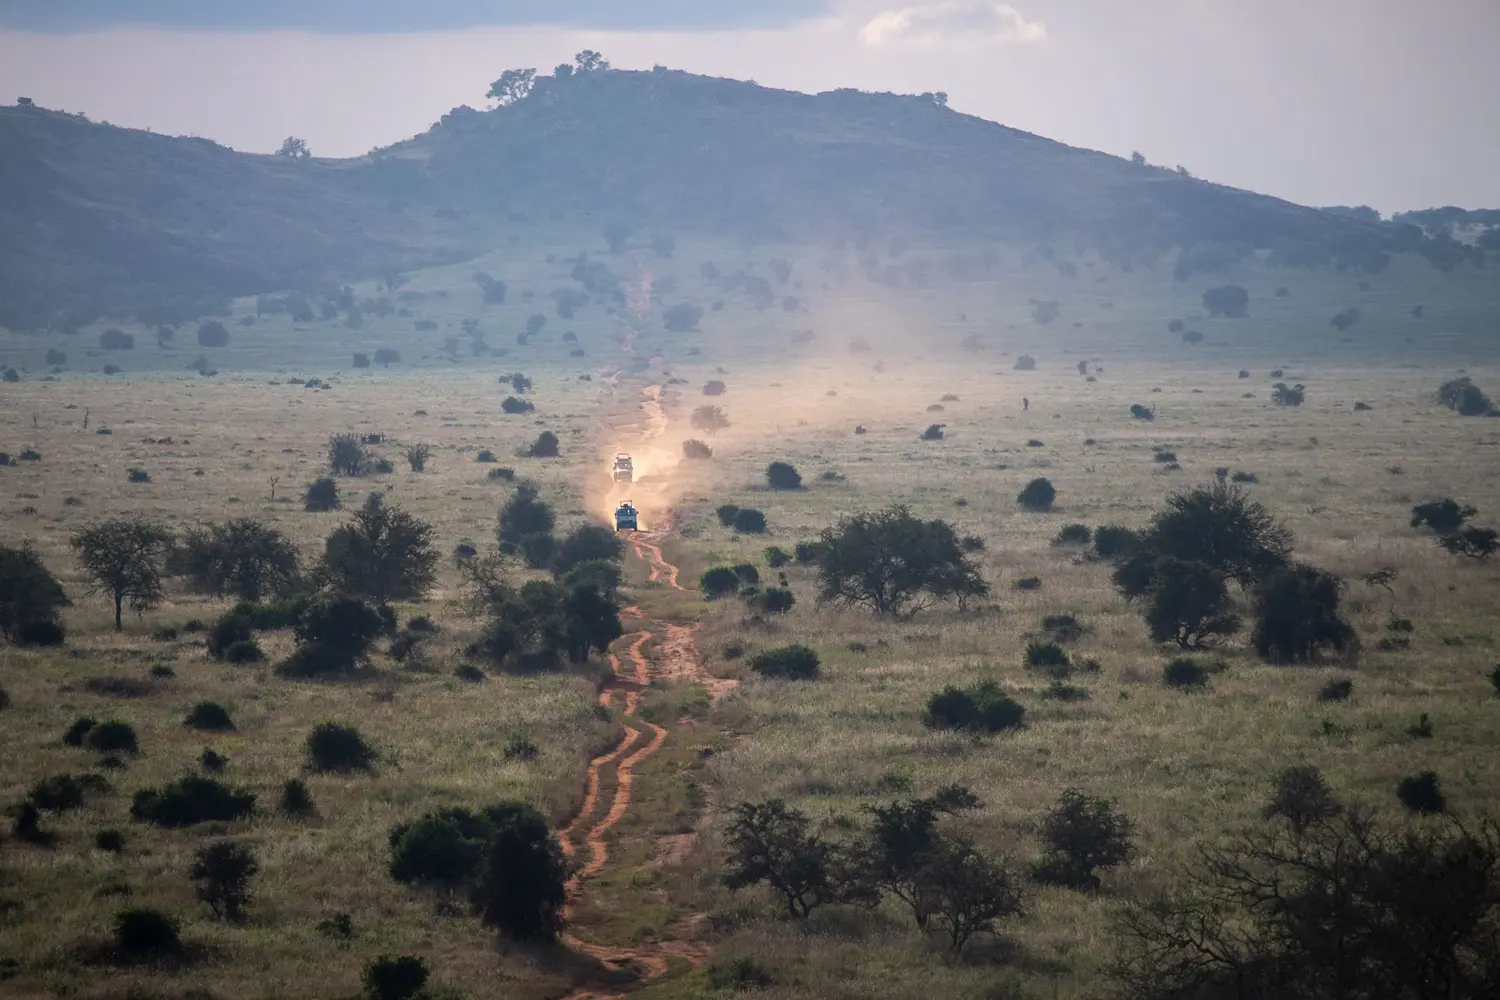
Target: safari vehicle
<point x="624" y="470"/>
<point x="626" y="518"/>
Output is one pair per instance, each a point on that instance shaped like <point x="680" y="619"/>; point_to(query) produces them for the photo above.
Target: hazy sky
<point x="1392" y="103"/>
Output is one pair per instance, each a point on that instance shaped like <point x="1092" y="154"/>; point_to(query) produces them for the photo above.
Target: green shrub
<point x="1038" y="494"/>
<point x="538" y="549"/>
<point x="229" y="629"/>
<point x="1073" y="534"/>
<point x="144" y="933"/>
<point x="112" y="736"/>
<point x="269" y="616"/>
<point x="444" y="848"/>
<point x="322" y="495"/>
<point x="78" y="731"/>
<point x="191" y="800"/>
<point x="750" y="521"/>
<point x="783" y="476"/>
<point x="1061" y="628"/>
<point x="395" y="977"/>
<point x="244" y="651"/>
<point x="1422" y="793"/>
<point x="1184" y="673"/>
<point x="774" y="601"/>
<point x="485" y="456"/>
<point x="209" y="716"/>
<point x="222" y="872"/>
<point x="807" y="553"/>
<point x="981" y="708"/>
<point x="212" y="761"/>
<point x="748" y="574"/>
<point x="726" y="513"/>
<point x="1029" y="583"/>
<point x="1046" y="655"/>
<point x="739" y="974"/>
<point x="504" y="473"/>
<point x="57" y="793"/>
<point x="1337" y="690"/>
<point x="335" y="747"/>
<point x="720" y="581"/>
<point x="1061" y="691"/>
<point x="139" y="476"/>
<point x="522" y="749"/>
<point x="798" y="663"/>
<point x="1082" y="834"/>
<point x="469" y="672"/>
<point x="109" y="841"/>
<point x="776" y="557"/>
<point x="296" y="800"/>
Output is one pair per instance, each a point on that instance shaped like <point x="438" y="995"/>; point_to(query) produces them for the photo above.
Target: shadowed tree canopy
<point x="241" y="557"/>
<point x="28" y="591"/>
<point x="1218" y="526"/>
<point x="893" y="562"/>
<point x="384" y="554"/>
<point x="1334" y="906"/>
<point x="125" y="558"/>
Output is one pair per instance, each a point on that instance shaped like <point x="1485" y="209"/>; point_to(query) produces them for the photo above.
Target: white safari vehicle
<point x="626" y="517"/>
<point x="624" y="470"/>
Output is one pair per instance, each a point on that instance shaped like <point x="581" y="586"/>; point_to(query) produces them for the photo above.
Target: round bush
<point x="750" y="521"/>
<point x="296" y="800"/>
<point x="190" y="800"/>
<point x="109" y="841"/>
<point x="983" y="708"/>
<point x="141" y="933"/>
<point x="1184" y="673"/>
<point x="112" y="736"/>
<point x="322" y="495"/>
<point x="78" y="731"/>
<point x="229" y="629"/>
<point x="335" y="747"/>
<point x="1073" y="534"/>
<point x="209" y="716"/>
<point x="392" y="977"/>
<point x="783" y="476"/>
<point x="1037" y="495"/>
<point x="721" y="581"/>
<point x="797" y="663"/>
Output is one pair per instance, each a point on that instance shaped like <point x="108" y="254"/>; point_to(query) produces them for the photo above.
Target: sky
<point x="1389" y="103"/>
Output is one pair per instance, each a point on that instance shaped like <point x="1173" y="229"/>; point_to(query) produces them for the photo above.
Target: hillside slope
<point x="100" y="219"/>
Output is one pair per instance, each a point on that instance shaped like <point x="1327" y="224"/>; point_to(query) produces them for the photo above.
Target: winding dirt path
<point x="611" y="776"/>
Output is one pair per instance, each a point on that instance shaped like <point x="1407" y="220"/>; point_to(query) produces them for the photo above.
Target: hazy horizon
<point x="1300" y="101"/>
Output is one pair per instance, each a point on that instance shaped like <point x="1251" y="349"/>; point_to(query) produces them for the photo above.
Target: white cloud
<point x="952" y="21"/>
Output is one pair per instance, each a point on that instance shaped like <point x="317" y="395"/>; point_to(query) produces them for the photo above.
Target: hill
<point x="106" y="220"/>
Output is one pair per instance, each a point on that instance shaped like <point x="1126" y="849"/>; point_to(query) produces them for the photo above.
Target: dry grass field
<point x="1185" y="767"/>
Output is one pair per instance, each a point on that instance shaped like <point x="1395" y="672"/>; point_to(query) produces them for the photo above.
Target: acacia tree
<point x="125" y="558"/>
<point x="1217" y="525"/>
<point x="1189" y="604"/>
<point x="241" y="557"/>
<point x="384" y="554"/>
<point x="893" y="562"/>
<point x="771" y="842"/>
<point x="513" y="86"/>
<point x="1340" y="905"/>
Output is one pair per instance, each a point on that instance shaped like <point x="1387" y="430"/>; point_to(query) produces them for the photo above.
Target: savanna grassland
<point x="1187" y="767"/>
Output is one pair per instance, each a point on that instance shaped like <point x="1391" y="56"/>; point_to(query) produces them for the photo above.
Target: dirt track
<point x="611" y="776"/>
